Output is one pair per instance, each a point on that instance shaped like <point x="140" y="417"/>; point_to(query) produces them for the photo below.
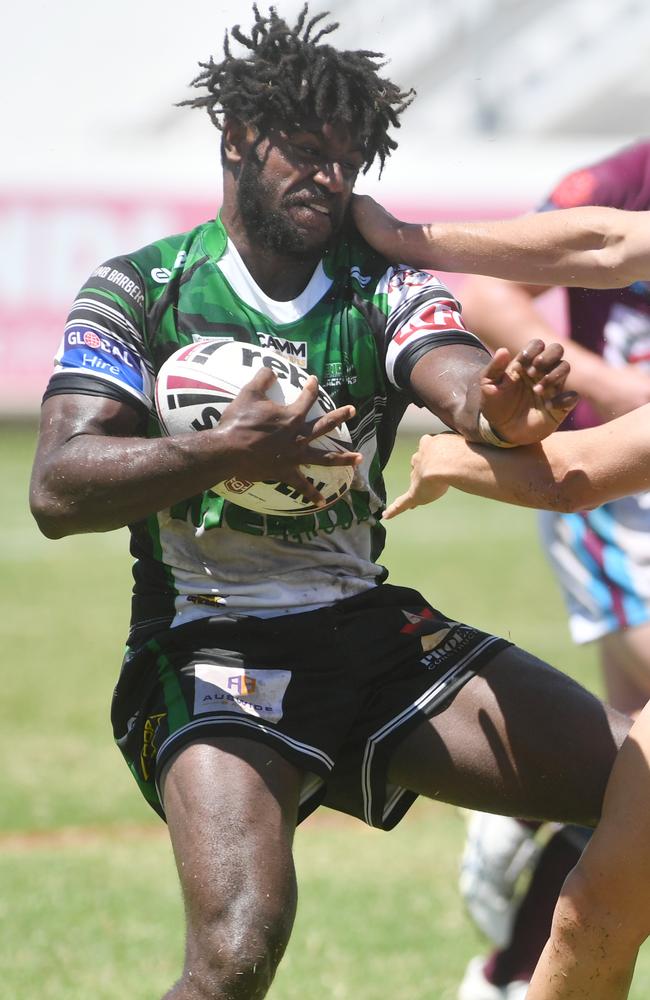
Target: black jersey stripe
<point x="101" y="306"/>
<point x="67" y="383"/>
<point x="408" y="357"/>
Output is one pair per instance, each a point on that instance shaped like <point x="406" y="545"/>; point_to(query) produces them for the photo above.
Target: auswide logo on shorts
<point x="241" y="690"/>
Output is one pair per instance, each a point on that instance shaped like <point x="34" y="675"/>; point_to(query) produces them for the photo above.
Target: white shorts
<point x="601" y="559"/>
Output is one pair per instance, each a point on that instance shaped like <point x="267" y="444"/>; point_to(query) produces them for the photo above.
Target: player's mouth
<point x="315" y="207"/>
<point x="312" y="214"/>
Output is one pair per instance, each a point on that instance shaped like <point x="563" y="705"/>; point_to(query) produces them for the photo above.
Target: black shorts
<point x="334" y="691"/>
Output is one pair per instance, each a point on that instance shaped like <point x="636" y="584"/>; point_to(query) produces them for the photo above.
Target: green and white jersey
<point x="359" y="326"/>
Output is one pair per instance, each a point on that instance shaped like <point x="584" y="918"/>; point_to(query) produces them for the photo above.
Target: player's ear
<point x="235" y="141"/>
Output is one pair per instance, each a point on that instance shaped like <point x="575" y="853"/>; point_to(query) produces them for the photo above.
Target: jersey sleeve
<point x="422" y="315"/>
<point x="103" y="350"/>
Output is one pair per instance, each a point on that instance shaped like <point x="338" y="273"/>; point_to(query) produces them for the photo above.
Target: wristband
<point x="490" y="436"/>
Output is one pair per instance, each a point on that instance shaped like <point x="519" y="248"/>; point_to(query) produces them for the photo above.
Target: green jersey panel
<point x="359" y="326"/>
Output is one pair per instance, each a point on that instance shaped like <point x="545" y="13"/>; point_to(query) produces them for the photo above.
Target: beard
<point x="271" y="228"/>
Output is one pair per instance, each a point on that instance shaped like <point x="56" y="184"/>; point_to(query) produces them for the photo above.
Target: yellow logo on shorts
<point x="149" y="746"/>
<point x="242" y="684"/>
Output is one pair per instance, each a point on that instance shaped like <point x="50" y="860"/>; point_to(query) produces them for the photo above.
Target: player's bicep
<point x="64" y="418"/>
<point x="74" y="448"/>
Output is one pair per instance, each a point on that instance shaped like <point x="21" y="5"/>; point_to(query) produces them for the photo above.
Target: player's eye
<point x="306" y="150"/>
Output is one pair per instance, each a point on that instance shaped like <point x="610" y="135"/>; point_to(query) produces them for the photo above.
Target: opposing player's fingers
<point x="398" y="506"/>
<point x="367" y="213"/>
<point x="328" y="422"/>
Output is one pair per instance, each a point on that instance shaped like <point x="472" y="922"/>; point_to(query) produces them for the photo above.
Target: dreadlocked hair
<point x="287" y="76"/>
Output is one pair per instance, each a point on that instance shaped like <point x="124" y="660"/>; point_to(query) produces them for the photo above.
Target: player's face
<point x="294" y="187"/>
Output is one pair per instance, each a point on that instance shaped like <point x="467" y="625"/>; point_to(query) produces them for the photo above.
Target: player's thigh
<point x="231" y="806"/>
<point x="625" y="656"/>
<point x="521" y="739"/>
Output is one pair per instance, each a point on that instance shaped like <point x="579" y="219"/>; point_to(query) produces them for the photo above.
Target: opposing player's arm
<point x="588" y="247"/>
<point x="94" y="471"/>
<point x="572" y="471"/>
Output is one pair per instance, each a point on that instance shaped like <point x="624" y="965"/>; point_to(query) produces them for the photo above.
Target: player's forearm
<point x="522" y="476"/>
<point x="569" y="471"/>
<point x="504" y="314"/>
<point x="96" y="483"/>
<point x="448" y="383"/>
<point x="589" y="247"/>
<point x="585" y="247"/>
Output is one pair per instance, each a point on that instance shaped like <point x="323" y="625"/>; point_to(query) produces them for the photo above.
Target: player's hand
<point x="377" y="226"/>
<point x="270" y="441"/>
<point x="524" y="398"/>
<point x="427" y="476"/>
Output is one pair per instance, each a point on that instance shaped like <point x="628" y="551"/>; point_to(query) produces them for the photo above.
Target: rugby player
<point x="269" y="667"/>
<point x="603" y="913"/>
<point x="600" y="558"/>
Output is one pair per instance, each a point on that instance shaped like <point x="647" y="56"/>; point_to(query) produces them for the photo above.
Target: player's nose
<point x="330" y="176"/>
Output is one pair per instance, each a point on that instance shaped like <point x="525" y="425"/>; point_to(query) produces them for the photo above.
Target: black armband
<point x="411" y="355"/>
<point x="70" y="383"/>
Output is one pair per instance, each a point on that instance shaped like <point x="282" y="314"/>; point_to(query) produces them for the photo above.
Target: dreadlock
<point x="288" y="76"/>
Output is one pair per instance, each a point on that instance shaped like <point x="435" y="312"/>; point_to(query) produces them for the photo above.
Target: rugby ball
<point x="195" y="385"/>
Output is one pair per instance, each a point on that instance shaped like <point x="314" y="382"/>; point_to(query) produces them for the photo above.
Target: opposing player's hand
<point x="427" y="477"/>
<point x="375" y="224"/>
<point x="270" y="441"/>
<point x="524" y="398"/>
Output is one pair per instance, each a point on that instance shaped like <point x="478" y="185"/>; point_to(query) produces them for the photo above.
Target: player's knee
<point x="593" y="914"/>
<point x="235" y="955"/>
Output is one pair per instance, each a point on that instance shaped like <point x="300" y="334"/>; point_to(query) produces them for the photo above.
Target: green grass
<point x="103" y="919"/>
<point x="89" y="904"/>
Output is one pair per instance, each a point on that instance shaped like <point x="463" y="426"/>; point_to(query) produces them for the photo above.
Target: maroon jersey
<point x="614" y="323"/>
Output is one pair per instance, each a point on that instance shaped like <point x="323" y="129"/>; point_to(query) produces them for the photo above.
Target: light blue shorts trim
<point x="601" y="559"/>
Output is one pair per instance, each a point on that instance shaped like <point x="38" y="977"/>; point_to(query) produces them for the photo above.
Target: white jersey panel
<point x="266" y="575"/>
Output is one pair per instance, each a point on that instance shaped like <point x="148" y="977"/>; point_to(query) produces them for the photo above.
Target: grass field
<point x="89" y="905"/>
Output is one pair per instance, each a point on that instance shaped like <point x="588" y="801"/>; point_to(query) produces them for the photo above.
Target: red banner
<point x="50" y="244"/>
